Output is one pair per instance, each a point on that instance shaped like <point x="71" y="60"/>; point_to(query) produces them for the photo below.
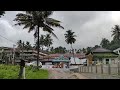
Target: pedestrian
<point x="22" y="69"/>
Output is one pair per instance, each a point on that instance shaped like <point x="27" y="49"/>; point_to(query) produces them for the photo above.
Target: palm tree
<point x="42" y="41"/>
<point x="70" y="39"/>
<point x="48" y="42"/>
<point x="28" y="45"/>
<point x="19" y="43"/>
<point x="34" y="20"/>
<point x="116" y="32"/>
<point x="2" y="13"/>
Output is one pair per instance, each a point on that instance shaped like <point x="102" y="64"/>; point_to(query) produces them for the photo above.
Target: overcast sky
<point x="89" y="26"/>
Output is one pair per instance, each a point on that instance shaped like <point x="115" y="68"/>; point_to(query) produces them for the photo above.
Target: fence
<point x="110" y="69"/>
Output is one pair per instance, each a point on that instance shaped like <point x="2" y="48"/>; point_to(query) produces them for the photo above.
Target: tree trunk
<point x="73" y="53"/>
<point x="38" y="49"/>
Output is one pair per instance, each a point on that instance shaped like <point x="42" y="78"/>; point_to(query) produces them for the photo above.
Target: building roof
<point x="61" y="59"/>
<point x="78" y="55"/>
<point x="105" y="55"/>
<point x="116" y="49"/>
<point x="100" y="49"/>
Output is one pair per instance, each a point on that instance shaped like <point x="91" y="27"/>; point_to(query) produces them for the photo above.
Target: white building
<point x="117" y="50"/>
<point x="102" y="55"/>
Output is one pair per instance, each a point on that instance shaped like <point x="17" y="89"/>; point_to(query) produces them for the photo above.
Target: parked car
<point x="34" y="63"/>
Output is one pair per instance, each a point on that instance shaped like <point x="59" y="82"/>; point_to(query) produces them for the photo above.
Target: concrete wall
<point x="111" y="69"/>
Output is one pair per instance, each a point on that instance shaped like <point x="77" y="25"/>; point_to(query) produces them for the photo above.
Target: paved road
<point x="64" y="74"/>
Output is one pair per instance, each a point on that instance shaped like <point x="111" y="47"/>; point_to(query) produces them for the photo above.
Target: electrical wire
<point x="7" y="39"/>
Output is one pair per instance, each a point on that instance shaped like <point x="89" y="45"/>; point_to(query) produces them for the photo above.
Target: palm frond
<point x="53" y="22"/>
<point x="49" y="30"/>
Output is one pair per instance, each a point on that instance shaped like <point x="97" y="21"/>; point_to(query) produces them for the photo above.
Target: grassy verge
<point x="11" y="72"/>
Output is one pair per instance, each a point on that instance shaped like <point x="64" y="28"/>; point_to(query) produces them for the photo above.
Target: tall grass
<point x="11" y="72"/>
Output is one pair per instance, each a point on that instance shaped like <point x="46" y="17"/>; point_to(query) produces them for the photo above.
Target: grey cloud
<point x="89" y="26"/>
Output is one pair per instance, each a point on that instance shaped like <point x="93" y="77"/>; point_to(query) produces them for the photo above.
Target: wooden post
<point x="78" y="68"/>
<point x="88" y="69"/>
<point x="24" y="72"/>
<point x="96" y="68"/>
<point x="82" y="69"/>
<point x="85" y="68"/>
<point x="91" y="69"/>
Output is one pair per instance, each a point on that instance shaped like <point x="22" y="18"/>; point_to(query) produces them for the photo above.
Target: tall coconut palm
<point x="34" y="20"/>
<point x="48" y="42"/>
<point x="70" y="39"/>
<point x="116" y="32"/>
<point x="42" y="41"/>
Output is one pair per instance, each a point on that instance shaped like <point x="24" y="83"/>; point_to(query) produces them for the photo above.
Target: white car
<point x="34" y="63"/>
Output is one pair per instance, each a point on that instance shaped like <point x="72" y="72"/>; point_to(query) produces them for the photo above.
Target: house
<point x="30" y="54"/>
<point x="117" y="51"/>
<point x="101" y="55"/>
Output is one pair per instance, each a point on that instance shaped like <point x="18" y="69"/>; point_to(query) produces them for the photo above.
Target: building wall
<point x="111" y="60"/>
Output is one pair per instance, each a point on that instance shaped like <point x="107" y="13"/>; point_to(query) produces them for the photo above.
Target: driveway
<point x="58" y="73"/>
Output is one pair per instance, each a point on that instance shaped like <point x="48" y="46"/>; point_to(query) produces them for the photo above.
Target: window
<point x="107" y="61"/>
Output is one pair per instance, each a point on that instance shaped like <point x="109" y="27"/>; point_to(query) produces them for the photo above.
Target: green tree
<point x="42" y="41"/>
<point x="48" y="41"/>
<point x="89" y="49"/>
<point x="28" y="45"/>
<point x="105" y="43"/>
<point x="2" y="13"/>
<point x="116" y="32"/>
<point x="36" y="20"/>
<point x="70" y="39"/>
<point x="84" y="50"/>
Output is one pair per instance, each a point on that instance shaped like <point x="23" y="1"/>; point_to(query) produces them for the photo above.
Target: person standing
<point x="22" y="69"/>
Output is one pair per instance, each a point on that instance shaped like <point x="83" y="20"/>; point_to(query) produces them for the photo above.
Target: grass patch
<point x="11" y="72"/>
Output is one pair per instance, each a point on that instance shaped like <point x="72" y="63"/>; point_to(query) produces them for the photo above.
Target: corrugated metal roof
<point x="78" y="55"/>
<point x="101" y="50"/>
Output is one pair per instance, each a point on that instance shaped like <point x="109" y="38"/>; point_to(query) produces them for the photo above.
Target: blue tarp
<point x="61" y="59"/>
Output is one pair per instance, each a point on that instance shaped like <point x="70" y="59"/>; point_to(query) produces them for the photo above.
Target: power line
<point x="7" y="39"/>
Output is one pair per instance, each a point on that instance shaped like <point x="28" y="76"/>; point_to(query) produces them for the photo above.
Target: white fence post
<point x="118" y="67"/>
<point x="109" y="71"/>
<point x="102" y="68"/>
<point x="24" y="72"/>
<point x="91" y="69"/>
<point x="88" y="69"/>
<point x="96" y="68"/>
